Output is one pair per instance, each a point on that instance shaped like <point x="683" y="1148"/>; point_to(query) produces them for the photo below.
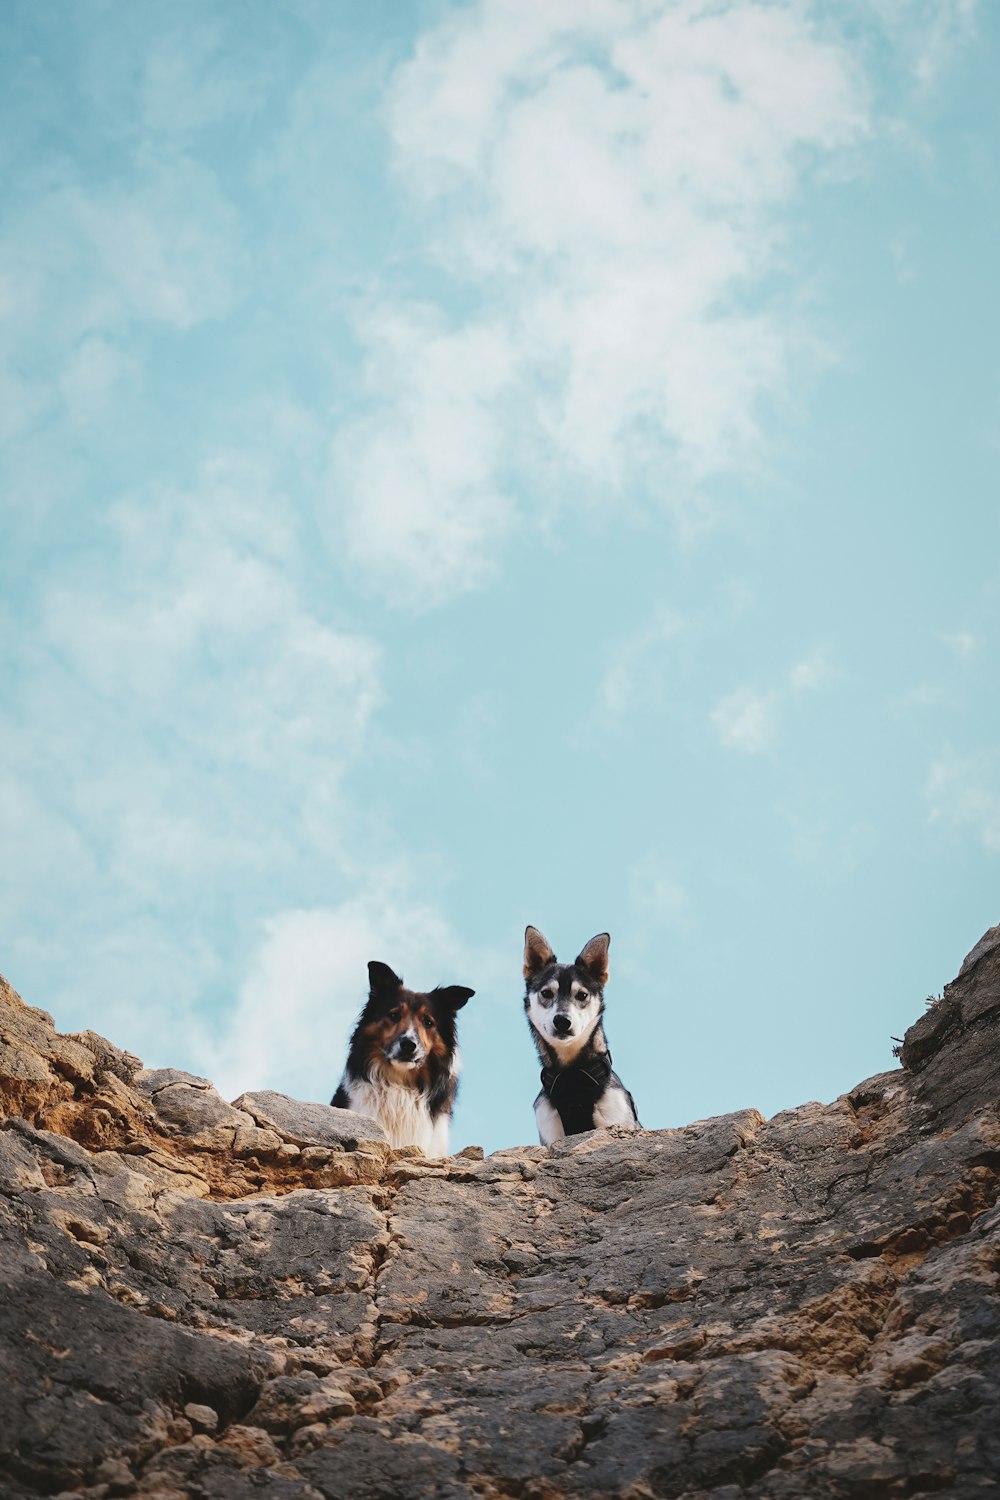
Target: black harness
<point x="574" y="1091"/>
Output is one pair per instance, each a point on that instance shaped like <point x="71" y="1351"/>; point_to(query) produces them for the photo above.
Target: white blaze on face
<point x="581" y="1008"/>
<point x="394" y="1056"/>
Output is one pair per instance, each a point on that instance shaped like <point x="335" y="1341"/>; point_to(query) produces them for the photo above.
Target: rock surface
<point x="222" y="1300"/>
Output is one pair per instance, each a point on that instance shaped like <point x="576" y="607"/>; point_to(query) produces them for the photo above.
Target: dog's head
<point x="405" y="1030"/>
<point x="564" y="1002"/>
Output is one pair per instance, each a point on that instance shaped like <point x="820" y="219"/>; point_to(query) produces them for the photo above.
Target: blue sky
<point x="474" y="464"/>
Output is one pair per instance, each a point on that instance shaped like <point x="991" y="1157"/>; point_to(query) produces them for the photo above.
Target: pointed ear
<point x="537" y="952"/>
<point x="381" y="979"/>
<point x="594" y="957"/>
<point x="454" y="995"/>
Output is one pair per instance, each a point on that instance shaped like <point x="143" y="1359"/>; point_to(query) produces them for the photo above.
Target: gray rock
<point x="202" y="1418"/>
<point x="308" y="1124"/>
<point x="149" y="1081"/>
<point x="987" y="943"/>
<point x="198" y="1113"/>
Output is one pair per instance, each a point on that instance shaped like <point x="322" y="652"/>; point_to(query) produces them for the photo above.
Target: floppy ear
<point x="454" y="995"/>
<point x="537" y="952"/>
<point x="381" y="979"/>
<point x="594" y="957"/>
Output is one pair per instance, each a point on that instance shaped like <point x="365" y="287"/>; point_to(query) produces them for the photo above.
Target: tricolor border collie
<point x="402" y="1064"/>
<point x="564" y="1004"/>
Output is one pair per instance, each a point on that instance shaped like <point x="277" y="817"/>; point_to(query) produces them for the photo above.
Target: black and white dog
<point x="403" y="1062"/>
<point x="564" y="1004"/>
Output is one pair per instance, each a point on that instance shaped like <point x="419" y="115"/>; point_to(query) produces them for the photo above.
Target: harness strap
<point x="574" y="1091"/>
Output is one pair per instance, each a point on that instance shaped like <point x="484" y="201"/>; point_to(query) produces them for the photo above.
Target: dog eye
<point x="394" y="1015"/>
<point x="429" y="1023"/>
<point x="547" y="993"/>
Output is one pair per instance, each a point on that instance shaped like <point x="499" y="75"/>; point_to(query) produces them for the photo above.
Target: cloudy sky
<point x="470" y="464"/>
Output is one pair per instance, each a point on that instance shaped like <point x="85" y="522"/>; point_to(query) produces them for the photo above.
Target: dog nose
<point x="406" y="1046"/>
<point x="562" y="1025"/>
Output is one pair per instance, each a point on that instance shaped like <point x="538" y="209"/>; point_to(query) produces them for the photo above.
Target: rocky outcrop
<point x="224" y="1300"/>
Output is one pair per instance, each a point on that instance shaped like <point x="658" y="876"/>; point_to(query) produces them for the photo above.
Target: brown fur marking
<point x="382" y="1033"/>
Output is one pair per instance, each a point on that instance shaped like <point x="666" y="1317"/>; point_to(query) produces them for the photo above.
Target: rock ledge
<point x="215" y="1300"/>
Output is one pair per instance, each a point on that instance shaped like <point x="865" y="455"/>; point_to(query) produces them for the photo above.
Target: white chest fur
<point x="550" y="1126"/>
<point x="612" y="1108"/>
<point x="402" y="1113"/>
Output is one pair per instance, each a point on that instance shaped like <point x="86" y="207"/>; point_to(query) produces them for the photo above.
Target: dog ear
<point x="594" y="957"/>
<point x="454" y="995"/>
<point x="381" y="979"/>
<point x="537" y="952"/>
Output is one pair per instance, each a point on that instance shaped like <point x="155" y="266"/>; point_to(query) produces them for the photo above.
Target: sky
<point x="473" y="464"/>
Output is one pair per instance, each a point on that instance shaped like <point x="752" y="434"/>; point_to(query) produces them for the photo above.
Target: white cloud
<point x="162" y="250"/>
<point x="924" y="695"/>
<point x="22" y="401"/>
<point x="187" y="79"/>
<point x="307" y="981"/>
<point x="685" y="76"/>
<point x="200" y="627"/>
<point x="747" y="720"/>
<point x="657" y="894"/>
<point x="962" y="642"/>
<point x="903" y="259"/>
<point x="417" y="483"/>
<point x="81" y="269"/>
<point x="928" y="33"/>
<point x="963" y="647"/>
<point x="90" y="377"/>
<point x="812" y="672"/>
<point x="606" y="184"/>
<point x="177" y="726"/>
<point x="963" y="792"/>
<point x="825" y="841"/>
<point x="166" y="251"/>
<point x="750" y="720"/>
<point x="635" y="670"/>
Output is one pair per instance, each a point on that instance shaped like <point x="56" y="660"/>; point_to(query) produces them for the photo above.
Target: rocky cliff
<point x="214" y="1300"/>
